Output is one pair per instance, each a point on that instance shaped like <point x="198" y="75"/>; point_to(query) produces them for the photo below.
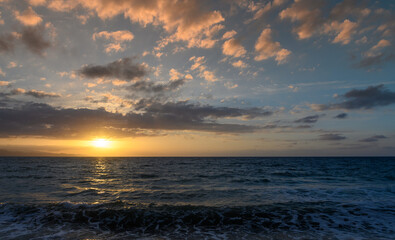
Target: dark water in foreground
<point x="197" y="198"/>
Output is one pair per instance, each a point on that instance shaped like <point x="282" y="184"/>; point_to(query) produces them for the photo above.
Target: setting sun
<point x="101" y="143"/>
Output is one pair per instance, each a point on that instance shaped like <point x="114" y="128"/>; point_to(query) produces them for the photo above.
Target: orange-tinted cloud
<point x="187" y="21"/>
<point x="28" y="17"/>
<point x="344" y="31"/>
<point x="308" y="13"/>
<point x="116" y="38"/>
<point x="239" y="64"/>
<point x="232" y="47"/>
<point x="229" y="34"/>
<point x="267" y="48"/>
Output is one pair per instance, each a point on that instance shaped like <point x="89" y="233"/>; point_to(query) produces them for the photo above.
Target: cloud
<point x="174" y="74"/>
<point x="373" y="138"/>
<point x="32" y="37"/>
<point x="260" y="9"/>
<point x="41" y="94"/>
<point x="375" y="50"/>
<point x="199" y="65"/>
<point x="34" y="119"/>
<point x="28" y="17"/>
<point x="376" y="60"/>
<point x="7" y="42"/>
<point x="311" y="21"/>
<point x="1" y="20"/>
<point x="373" y="96"/>
<point x="341" y="116"/>
<point x="308" y="13"/>
<point x="331" y="137"/>
<point x="12" y="64"/>
<point x="198" y="62"/>
<point x="229" y="34"/>
<point x="239" y="64"/>
<point x="349" y="7"/>
<point x="33" y="93"/>
<point x="117" y="38"/>
<point x="230" y="85"/>
<point x="388" y="27"/>
<point x="208" y="76"/>
<point x="123" y="69"/>
<point x="4" y="83"/>
<point x="189" y="21"/>
<point x="37" y="2"/>
<point x="197" y="112"/>
<point x="381" y="44"/>
<point x="232" y="47"/>
<point x="308" y="119"/>
<point x="150" y="87"/>
<point x="267" y="48"/>
<point x="375" y="55"/>
<point x="344" y="31"/>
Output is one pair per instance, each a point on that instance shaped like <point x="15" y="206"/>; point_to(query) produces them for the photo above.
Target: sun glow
<point x="101" y="143"/>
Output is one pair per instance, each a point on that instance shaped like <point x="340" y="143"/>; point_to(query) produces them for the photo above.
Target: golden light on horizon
<point x="101" y="143"/>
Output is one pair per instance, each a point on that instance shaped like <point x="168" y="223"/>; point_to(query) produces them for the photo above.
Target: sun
<point x="101" y="143"/>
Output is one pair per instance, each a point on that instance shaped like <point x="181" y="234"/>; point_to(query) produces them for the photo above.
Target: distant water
<point x="197" y="198"/>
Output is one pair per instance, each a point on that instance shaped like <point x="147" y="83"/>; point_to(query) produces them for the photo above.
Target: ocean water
<point x="197" y="198"/>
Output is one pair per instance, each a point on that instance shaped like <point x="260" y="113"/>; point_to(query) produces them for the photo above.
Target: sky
<point x="197" y="78"/>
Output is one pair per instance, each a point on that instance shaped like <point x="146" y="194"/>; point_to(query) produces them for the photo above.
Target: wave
<point x="321" y="218"/>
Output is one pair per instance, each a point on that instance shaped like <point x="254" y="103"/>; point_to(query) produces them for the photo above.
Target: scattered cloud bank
<point x="373" y="96"/>
<point x="33" y="93"/>
<point x="188" y="21"/>
<point x="38" y="119"/>
<point x="311" y="21"/>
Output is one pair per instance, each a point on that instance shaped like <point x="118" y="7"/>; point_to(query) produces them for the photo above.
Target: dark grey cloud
<point x="32" y="93"/>
<point x="34" y="119"/>
<point x="373" y="96"/>
<point x="341" y="116"/>
<point x="377" y="60"/>
<point x="373" y="138"/>
<point x="308" y="119"/>
<point x="6" y="43"/>
<point x="41" y="94"/>
<point x="151" y="87"/>
<point x="33" y="38"/>
<point x="288" y="127"/>
<point x="197" y="112"/>
<point x="124" y="69"/>
<point x="331" y="137"/>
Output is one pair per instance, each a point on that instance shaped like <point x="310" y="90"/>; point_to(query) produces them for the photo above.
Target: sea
<point x="197" y="198"/>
